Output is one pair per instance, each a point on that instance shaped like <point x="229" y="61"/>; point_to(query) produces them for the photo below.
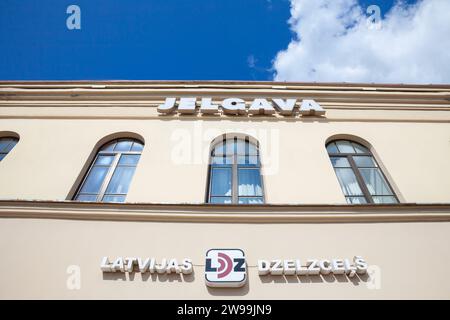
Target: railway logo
<point x="225" y="268"/>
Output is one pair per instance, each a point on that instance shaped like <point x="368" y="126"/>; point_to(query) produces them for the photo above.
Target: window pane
<point x="249" y="181"/>
<point x="356" y="200"/>
<point x="348" y="182"/>
<point x="345" y="147"/>
<point x="104" y="160"/>
<point x="4" y="143"/>
<point x="248" y="160"/>
<point x="94" y="180"/>
<point x="331" y="148"/>
<point x="221" y="182"/>
<point x="220" y="200"/>
<point x="120" y="180"/>
<point x="385" y="199"/>
<point x="2" y="155"/>
<point x="359" y="148"/>
<point x="252" y="149"/>
<point x="137" y="146"/>
<point x="375" y="181"/>
<point x="109" y="147"/>
<point x="229" y="147"/>
<point x="241" y="147"/>
<point x="245" y="200"/>
<point x="108" y="198"/>
<point x="124" y="145"/>
<point x="340" y="162"/>
<point x="364" y="161"/>
<point x="86" y="197"/>
<point x="222" y="160"/>
<point x="218" y="150"/>
<point x="129" y="159"/>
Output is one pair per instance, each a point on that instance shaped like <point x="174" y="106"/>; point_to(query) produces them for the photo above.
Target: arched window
<point x="111" y="172"/>
<point x="359" y="175"/>
<point x="235" y="172"/>
<point x="6" y="145"/>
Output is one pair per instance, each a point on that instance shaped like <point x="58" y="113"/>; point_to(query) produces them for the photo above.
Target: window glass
<point x="348" y="182"/>
<point x="129" y="159"/>
<point x="113" y="198"/>
<point x="375" y="181"/>
<point x="356" y="200"/>
<point x="104" y="160"/>
<point x="221" y="182"/>
<point x="331" y="148"/>
<point x="359" y="176"/>
<point x="359" y="148"/>
<point x="220" y="200"/>
<point x="120" y="180"/>
<point x="236" y="177"/>
<point x="94" y="180"/>
<point x="345" y="147"/>
<point x="340" y="162"/>
<point x="364" y="161"/>
<point x="250" y="200"/>
<point x="110" y="175"/>
<point x="6" y="145"/>
<point x="123" y="145"/>
<point x="249" y="182"/>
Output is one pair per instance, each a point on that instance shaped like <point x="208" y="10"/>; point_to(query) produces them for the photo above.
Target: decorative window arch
<point x="111" y="171"/>
<point x="361" y="178"/>
<point x="6" y="145"/>
<point x="235" y="171"/>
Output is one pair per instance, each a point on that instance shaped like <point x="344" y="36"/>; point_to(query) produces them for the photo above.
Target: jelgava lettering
<point x="233" y="106"/>
<point x="168" y="106"/>
<point x="285" y="107"/>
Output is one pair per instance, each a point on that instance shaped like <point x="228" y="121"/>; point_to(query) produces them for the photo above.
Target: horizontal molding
<point x="221" y="84"/>
<point x="206" y="213"/>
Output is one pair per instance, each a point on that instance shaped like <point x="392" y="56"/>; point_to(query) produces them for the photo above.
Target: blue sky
<point x="146" y="39"/>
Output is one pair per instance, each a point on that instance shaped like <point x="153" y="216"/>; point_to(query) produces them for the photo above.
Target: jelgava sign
<point x="237" y="106"/>
<point x="152" y="265"/>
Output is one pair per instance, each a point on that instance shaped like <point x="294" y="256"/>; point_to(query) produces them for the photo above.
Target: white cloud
<point x="334" y="42"/>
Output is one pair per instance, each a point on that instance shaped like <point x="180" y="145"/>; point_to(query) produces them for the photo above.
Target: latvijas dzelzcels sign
<point x="238" y="106"/>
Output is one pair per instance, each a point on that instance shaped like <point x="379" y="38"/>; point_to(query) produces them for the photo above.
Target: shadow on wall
<point x="241" y="291"/>
<point x="329" y="278"/>
<point x="131" y="276"/>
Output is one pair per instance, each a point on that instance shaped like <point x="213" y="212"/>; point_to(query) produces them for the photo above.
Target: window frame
<point x="234" y="166"/>
<point x="112" y="168"/>
<point x="14" y="139"/>
<point x="359" y="178"/>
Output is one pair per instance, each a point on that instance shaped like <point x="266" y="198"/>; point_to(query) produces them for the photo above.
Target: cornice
<point x="206" y="213"/>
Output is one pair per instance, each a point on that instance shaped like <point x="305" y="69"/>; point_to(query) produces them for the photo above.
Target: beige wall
<point x="51" y="154"/>
<point x="61" y="124"/>
<point x="413" y="258"/>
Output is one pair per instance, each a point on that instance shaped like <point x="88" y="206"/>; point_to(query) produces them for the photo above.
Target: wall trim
<point x="207" y="213"/>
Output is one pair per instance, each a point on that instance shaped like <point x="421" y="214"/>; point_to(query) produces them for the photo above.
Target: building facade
<point x="121" y="189"/>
